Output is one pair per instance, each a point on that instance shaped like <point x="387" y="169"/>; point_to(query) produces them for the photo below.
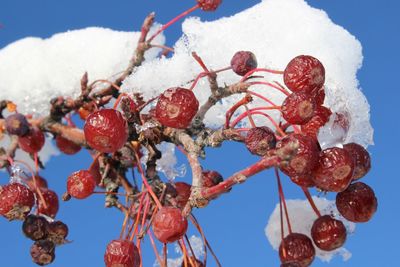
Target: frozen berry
<point x="362" y="160"/>
<point x="52" y="204"/>
<point x="319" y="95"/>
<point x="328" y="233"/>
<point x="357" y="203"/>
<point x="81" y="184"/>
<point x="33" y="141"/>
<point x="298" y="248"/>
<point x="304" y="73"/>
<point x="43" y="252"/>
<point x="211" y="178"/>
<point x="320" y="118"/>
<point x="17" y="124"/>
<point x="66" y="146"/>
<point x="259" y="140"/>
<point x="305" y="154"/>
<point x="121" y="253"/>
<point x="183" y="191"/>
<point x="196" y="262"/>
<point x="106" y="130"/>
<point x="35" y="227"/>
<point x="176" y="107"/>
<point x="169" y="225"/>
<point x="298" y="108"/>
<point x="209" y="5"/>
<point x="334" y="170"/>
<point x="58" y="232"/>
<point x="304" y="180"/>
<point x="243" y="62"/>
<point x="16" y="201"/>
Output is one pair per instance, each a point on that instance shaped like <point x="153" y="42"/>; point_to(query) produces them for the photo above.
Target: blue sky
<point x="234" y="223"/>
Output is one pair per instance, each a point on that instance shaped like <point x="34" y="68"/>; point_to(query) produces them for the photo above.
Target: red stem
<point x="260" y="69"/>
<point x="282" y="196"/>
<point x="311" y="201"/>
<point x="243" y="115"/>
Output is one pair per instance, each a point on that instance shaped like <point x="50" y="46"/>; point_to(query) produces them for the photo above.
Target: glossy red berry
<point x="304" y="180"/>
<point x="43" y="252"/>
<point x="183" y="191"/>
<point x="319" y="95"/>
<point x="35" y="227"/>
<point x="243" y="62"/>
<point x="16" y="201"/>
<point x="66" y="146"/>
<point x="52" y="203"/>
<point x="106" y="130"/>
<point x="357" y="203"/>
<point x="176" y="107"/>
<point x="169" y="225"/>
<point x="298" y="108"/>
<point x="362" y="160"/>
<point x="121" y="253"/>
<point x="33" y="141"/>
<point x="260" y="140"/>
<point x="334" y="171"/>
<point x="17" y="124"/>
<point x="211" y="178"/>
<point x="209" y="5"/>
<point x="95" y="171"/>
<point x="297" y="247"/>
<point x="305" y="154"/>
<point x="196" y="263"/>
<point x="320" y="118"/>
<point x="328" y="233"/>
<point x="81" y="184"/>
<point x="39" y="180"/>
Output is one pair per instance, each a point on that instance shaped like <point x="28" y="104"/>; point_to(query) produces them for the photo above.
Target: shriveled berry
<point x="328" y="233"/>
<point x="106" y="130"/>
<point x="58" y="232"/>
<point x="304" y="180"/>
<point x="81" y="184"/>
<point x="66" y="146"/>
<point x="259" y="140"/>
<point x="196" y="263"/>
<point x="121" y="253"/>
<point x="334" y="170"/>
<point x="43" y="252"/>
<point x="298" y="108"/>
<point x="209" y="5"/>
<point x="305" y="154"/>
<point x="176" y="107"/>
<point x="183" y="191"/>
<point x="52" y="203"/>
<point x="362" y="160"/>
<point x="357" y="203"/>
<point x="16" y="201"/>
<point x="35" y="227"/>
<point x="243" y="61"/>
<point x="39" y="180"/>
<point x="169" y="225"/>
<point x="320" y="118"/>
<point x="304" y="73"/>
<point x="17" y="124"/>
<point x="298" y="248"/>
<point x="319" y="95"/>
<point x="33" y="141"/>
<point x="211" y="178"/>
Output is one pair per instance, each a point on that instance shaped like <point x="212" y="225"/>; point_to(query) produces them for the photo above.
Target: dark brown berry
<point x="209" y="5"/>
<point x="33" y="141"/>
<point x="43" y="252"/>
<point x="16" y="201"/>
<point x="243" y="62"/>
<point x="66" y="146"/>
<point x="52" y="203"/>
<point x="58" y="232"/>
<point x="35" y="227"/>
<point x="81" y="184"/>
<point x="298" y="108"/>
<point x="17" y="124"/>
<point x="297" y="247"/>
<point x="290" y="264"/>
<point x="196" y="263"/>
<point x="169" y="225"/>
<point x="260" y="140"/>
<point x="362" y="160"/>
<point x="121" y="253"/>
<point x="328" y="233"/>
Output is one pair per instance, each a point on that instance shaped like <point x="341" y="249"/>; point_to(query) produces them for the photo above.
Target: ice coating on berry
<point x="35" y="227"/>
<point x="66" y="146"/>
<point x="16" y="201"/>
<point x="52" y="203"/>
<point x="362" y="160"/>
<point x="297" y="247"/>
<point x="304" y="73"/>
<point x="334" y="171"/>
<point x="209" y="5"/>
<point x="106" y="130"/>
<point x="43" y="252"/>
<point x="259" y="140"/>
<point x="81" y="184"/>
<point x="169" y="225"/>
<point x="357" y="203"/>
<point x="33" y="141"/>
<point x="211" y="178"/>
<point x="320" y="118"/>
<point x="121" y="253"/>
<point x="243" y="61"/>
<point x="183" y="191"/>
<point x="17" y="124"/>
<point x="176" y="107"/>
<point x="328" y="233"/>
<point x="298" y="108"/>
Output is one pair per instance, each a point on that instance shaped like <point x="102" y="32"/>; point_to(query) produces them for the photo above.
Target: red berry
<point x="51" y="199"/>
<point x="211" y="178"/>
<point x="195" y="261"/>
<point x="304" y="158"/>
<point x="106" y="130"/>
<point x="95" y="171"/>
<point x="32" y="142"/>
<point x="357" y="203"/>
<point x="290" y="264"/>
<point x="183" y="191"/>
<point x="39" y="180"/>
<point x="35" y="227"/>
<point x="342" y="121"/>
<point x="43" y="252"/>
<point x="16" y="201"/>
<point x="304" y="73"/>
<point x="362" y="160"/>
<point x="17" y="124"/>
<point x="176" y="107"/>
<point x="319" y="95"/>
<point x="298" y="108"/>
<point x="304" y="180"/>
<point x="320" y="118"/>
<point x="121" y="253"/>
<point x="169" y="225"/>
<point x="297" y="247"/>
<point x="81" y="184"/>
<point x="328" y="233"/>
<point x="243" y="62"/>
<point x="259" y="140"/>
<point x="209" y="5"/>
<point x="334" y="170"/>
<point x="66" y="146"/>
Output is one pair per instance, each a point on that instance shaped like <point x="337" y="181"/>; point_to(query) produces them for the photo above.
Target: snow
<point x="302" y="217"/>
